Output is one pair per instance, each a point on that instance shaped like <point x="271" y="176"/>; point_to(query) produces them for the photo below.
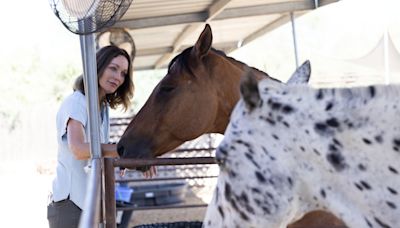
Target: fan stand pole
<point x="88" y="52"/>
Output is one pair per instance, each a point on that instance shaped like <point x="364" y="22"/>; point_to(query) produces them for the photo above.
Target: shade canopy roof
<point x="161" y="29"/>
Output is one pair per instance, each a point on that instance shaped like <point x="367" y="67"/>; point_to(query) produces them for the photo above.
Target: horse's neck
<point x="229" y="91"/>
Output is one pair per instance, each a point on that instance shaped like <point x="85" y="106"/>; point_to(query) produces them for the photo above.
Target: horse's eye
<point x="167" y="89"/>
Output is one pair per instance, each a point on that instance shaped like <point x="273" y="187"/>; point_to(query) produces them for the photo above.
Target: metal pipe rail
<point x="109" y="178"/>
<point x="139" y="162"/>
<point x="166" y="178"/>
<point x="91" y="213"/>
<point x="128" y="208"/>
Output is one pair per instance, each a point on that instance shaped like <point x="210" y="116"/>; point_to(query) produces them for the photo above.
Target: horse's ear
<point x="204" y="42"/>
<point x="301" y="75"/>
<point x="249" y="91"/>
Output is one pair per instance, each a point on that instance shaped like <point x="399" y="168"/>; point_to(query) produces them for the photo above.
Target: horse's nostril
<point x="120" y="150"/>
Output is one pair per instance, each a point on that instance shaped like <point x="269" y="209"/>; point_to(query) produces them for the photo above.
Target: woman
<point x="115" y="88"/>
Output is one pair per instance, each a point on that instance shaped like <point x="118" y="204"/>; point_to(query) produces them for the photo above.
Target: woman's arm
<point x="80" y="149"/>
<point x="78" y="146"/>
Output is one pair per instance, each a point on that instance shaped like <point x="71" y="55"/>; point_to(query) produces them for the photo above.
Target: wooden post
<point x="110" y="206"/>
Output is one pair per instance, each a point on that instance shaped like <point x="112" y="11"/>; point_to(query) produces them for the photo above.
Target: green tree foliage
<point x="26" y="79"/>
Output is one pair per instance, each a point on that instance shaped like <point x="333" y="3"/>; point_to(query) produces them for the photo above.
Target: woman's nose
<point x="120" y="79"/>
<point x="117" y="75"/>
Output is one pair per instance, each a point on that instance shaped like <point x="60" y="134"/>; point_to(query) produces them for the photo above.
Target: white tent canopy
<point x="384" y="57"/>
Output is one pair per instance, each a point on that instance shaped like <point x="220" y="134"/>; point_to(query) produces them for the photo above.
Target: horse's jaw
<point x="220" y="124"/>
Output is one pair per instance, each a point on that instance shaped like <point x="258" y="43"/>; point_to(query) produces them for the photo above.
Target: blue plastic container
<point x="123" y="193"/>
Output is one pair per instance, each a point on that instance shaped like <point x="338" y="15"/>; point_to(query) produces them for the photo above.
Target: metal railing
<point x="101" y="181"/>
<point x="100" y="210"/>
<point x="111" y="163"/>
<point x="92" y="215"/>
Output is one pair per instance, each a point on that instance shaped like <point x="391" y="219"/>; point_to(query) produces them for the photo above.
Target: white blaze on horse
<point x="289" y="150"/>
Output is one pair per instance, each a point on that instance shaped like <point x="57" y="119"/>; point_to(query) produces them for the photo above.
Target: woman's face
<point x="113" y="76"/>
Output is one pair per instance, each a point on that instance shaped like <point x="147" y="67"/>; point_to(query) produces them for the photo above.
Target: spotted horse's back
<point x="289" y="150"/>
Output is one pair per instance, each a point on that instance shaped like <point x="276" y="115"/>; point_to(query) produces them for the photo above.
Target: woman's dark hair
<point x="125" y="92"/>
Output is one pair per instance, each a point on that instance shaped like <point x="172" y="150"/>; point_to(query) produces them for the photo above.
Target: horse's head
<point x="196" y="96"/>
<point x="183" y="105"/>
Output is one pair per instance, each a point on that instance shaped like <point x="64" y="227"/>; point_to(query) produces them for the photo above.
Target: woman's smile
<point x="115" y="85"/>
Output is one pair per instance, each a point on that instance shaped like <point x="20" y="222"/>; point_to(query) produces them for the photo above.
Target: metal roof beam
<point x="162" y="21"/>
<point x="226" y="46"/>
<point x="213" y="11"/>
<point x="267" y="28"/>
<point x="177" y="44"/>
<point x="275" y="8"/>
<point x="139" y="68"/>
<point x="224" y="14"/>
<point x="153" y="51"/>
<point x="162" y="50"/>
<point x="216" y="9"/>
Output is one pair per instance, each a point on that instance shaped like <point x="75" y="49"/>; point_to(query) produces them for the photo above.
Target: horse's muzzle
<point x="120" y="150"/>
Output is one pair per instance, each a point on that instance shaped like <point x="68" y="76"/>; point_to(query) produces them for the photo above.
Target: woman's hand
<point x="152" y="172"/>
<point x="122" y="172"/>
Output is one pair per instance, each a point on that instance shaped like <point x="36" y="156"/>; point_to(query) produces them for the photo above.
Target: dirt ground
<point x="194" y="196"/>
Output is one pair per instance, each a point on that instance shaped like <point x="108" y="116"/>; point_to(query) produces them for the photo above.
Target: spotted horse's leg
<point x="318" y="219"/>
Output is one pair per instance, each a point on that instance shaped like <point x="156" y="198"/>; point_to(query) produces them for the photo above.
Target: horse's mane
<point x="182" y="60"/>
<point x="235" y="61"/>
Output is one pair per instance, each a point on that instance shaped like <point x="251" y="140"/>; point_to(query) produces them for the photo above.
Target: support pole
<point x="316" y="4"/>
<point x="90" y="218"/>
<point x="88" y="52"/>
<point x="294" y="40"/>
<point x="109" y="180"/>
<point x="386" y="55"/>
<point x="91" y="92"/>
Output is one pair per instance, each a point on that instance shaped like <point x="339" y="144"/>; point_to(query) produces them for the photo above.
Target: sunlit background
<point x="350" y="43"/>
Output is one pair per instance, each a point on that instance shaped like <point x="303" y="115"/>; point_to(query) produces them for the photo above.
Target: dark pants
<point x="63" y="214"/>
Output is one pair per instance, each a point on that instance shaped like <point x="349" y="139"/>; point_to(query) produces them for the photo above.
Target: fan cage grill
<point x="105" y="15"/>
<point x="118" y="37"/>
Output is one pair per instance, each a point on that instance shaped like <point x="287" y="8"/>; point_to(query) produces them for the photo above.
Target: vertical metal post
<point x="386" y="55"/>
<point x="88" y="51"/>
<point x="91" y="92"/>
<point x="90" y="218"/>
<point x="109" y="180"/>
<point x="316" y="4"/>
<point x="294" y="40"/>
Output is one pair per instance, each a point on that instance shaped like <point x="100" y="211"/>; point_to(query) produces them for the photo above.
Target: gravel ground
<point x="193" y="196"/>
<point x="167" y="216"/>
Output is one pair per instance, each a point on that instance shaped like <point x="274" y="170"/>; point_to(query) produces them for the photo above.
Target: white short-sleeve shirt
<point x="71" y="178"/>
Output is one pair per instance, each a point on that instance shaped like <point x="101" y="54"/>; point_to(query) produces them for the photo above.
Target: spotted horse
<point x="293" y="149"/>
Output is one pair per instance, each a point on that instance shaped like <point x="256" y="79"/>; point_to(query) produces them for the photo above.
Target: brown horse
<point x="196" y="97"/>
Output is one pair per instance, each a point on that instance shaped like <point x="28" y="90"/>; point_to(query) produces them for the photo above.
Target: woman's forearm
<point x="80" y="148"/>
